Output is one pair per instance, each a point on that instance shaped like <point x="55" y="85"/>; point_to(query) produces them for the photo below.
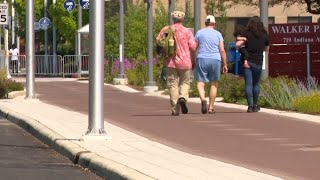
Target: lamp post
<point x="121" y="79"/>
<point x="150" y="85"/>
<point x="96" y="75"/>
<point x="30" y="49"/>
<point x="6" y="48"/>
<point x="46" y="37"/>
<point x="171" y="9"/>
<point x="54" y="32"/>
<point x="54" y="38"/>
<point x="264" y="6"/>
<point x="197" y="15"/>
<point x="12" y="26"/>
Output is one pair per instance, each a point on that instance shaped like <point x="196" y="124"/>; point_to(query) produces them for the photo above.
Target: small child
<point x="242" y="50"/>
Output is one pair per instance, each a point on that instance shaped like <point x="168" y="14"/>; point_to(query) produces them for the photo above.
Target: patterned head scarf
<point x="177" y="15"/>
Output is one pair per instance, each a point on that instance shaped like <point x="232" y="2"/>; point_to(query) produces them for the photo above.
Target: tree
<point x="66" y="22"/>
<point x="135" y="30"/>
<point x="313" y="6"/>
<point x="218" y="8"/>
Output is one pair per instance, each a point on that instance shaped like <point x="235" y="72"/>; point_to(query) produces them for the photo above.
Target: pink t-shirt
<point x="185" y="42"/>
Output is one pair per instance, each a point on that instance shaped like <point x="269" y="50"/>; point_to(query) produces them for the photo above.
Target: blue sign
<point x="69" y="5"/>
<point x="84" y="4"/>
<point x="44" y="23"/>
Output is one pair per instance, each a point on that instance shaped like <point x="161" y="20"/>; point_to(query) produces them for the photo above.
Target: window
<point x="299" y="19"/>
<point x="271" y="20"/>
<point x="244" y="20"/>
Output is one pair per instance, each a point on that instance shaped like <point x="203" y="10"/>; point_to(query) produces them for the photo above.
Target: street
<point x="24" y="157"/>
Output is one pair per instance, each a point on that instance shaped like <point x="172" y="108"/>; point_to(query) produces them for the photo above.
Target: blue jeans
<point x="252" y="83"/>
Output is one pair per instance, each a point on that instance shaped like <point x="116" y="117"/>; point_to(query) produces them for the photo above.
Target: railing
<point x="75" y="65"/>
<point x="49" y="65"/>
<point x="52" y="65"/>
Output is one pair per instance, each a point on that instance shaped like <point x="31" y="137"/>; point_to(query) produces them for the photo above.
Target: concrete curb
<point x="104" y="167"/>
<point x="14" y="94"/>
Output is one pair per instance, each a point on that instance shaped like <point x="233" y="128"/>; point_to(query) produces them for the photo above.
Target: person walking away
<point x="257" y="41"/>
<point x="208" y="62"/>
<point x="179" y="65"/>
<point x="14" y="52"/>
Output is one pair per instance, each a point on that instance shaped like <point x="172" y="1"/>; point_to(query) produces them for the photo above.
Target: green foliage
<point x="218" y="8"/>
<point x="231" y="88"/>
<point x="194" y="91"/>
<point x="308" y="104"/>
<point x="282" y="91"/>
<point x="188" y="20"/>
<point x="3" y="74"/>
<point x="14" y="86"/>
<point x="157" y="72"/>
<point x="135" y="41"/>
<point x="137" y="76"/>
<point x="135" y="30"/>
<point x="66" y="22"/>
<point x="6" y="85"/>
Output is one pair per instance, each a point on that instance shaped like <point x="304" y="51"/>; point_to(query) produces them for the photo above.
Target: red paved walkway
<point x="272" y="144"/>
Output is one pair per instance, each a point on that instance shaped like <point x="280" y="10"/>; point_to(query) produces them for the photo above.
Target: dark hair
<point x="13" y="46"/>
<point x="238" y="30"/>
<point x="256" y="27"/>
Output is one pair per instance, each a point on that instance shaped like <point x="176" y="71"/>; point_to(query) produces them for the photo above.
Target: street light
<point x="121" y="79"/>
<point x="96" y="69"/>
<point x="6" y="48"/>
<point x="264" y="7"/>
<point x="197" y="15"/>
<point x="30" y="49"/>
<point x="54" y="31"/>
<point x="150" y="85"/>
<point x="171" y="9"/>
<point x="12" y="26"/>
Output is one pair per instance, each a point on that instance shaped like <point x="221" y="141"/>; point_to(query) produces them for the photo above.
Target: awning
<point x="84" y="29"/>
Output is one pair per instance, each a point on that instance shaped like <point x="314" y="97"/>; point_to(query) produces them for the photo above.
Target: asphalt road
<point x="276" y="145"/>
<point x="24" y="157"/>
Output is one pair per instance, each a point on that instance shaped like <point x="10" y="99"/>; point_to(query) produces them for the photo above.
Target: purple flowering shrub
<point x="135" y="70"/>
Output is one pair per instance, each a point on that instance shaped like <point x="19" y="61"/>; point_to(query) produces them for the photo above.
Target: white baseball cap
<point x="210" y="19"/>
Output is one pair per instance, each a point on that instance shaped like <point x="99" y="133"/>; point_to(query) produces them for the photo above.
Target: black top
<point x="255" y="46"/>
<point x="244" y="54"/>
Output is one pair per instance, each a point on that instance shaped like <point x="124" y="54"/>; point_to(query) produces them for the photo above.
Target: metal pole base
<point x="150" y="87"/>
<point x="95" y="135"/>
<point x="120" y="81"/>
<point x="31" y="99"/>
<point x="96" y="132"/>
<point x="95" y="138"/>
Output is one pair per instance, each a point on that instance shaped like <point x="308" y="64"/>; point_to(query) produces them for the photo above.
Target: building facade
<point x="240" y="14"/>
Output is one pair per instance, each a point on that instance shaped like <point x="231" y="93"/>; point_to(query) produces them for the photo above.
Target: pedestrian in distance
<point x="179" y="65"/>
<point x="14" y="52"/>
<point x="210" y="53"/>
<point x="256" y="42"/>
